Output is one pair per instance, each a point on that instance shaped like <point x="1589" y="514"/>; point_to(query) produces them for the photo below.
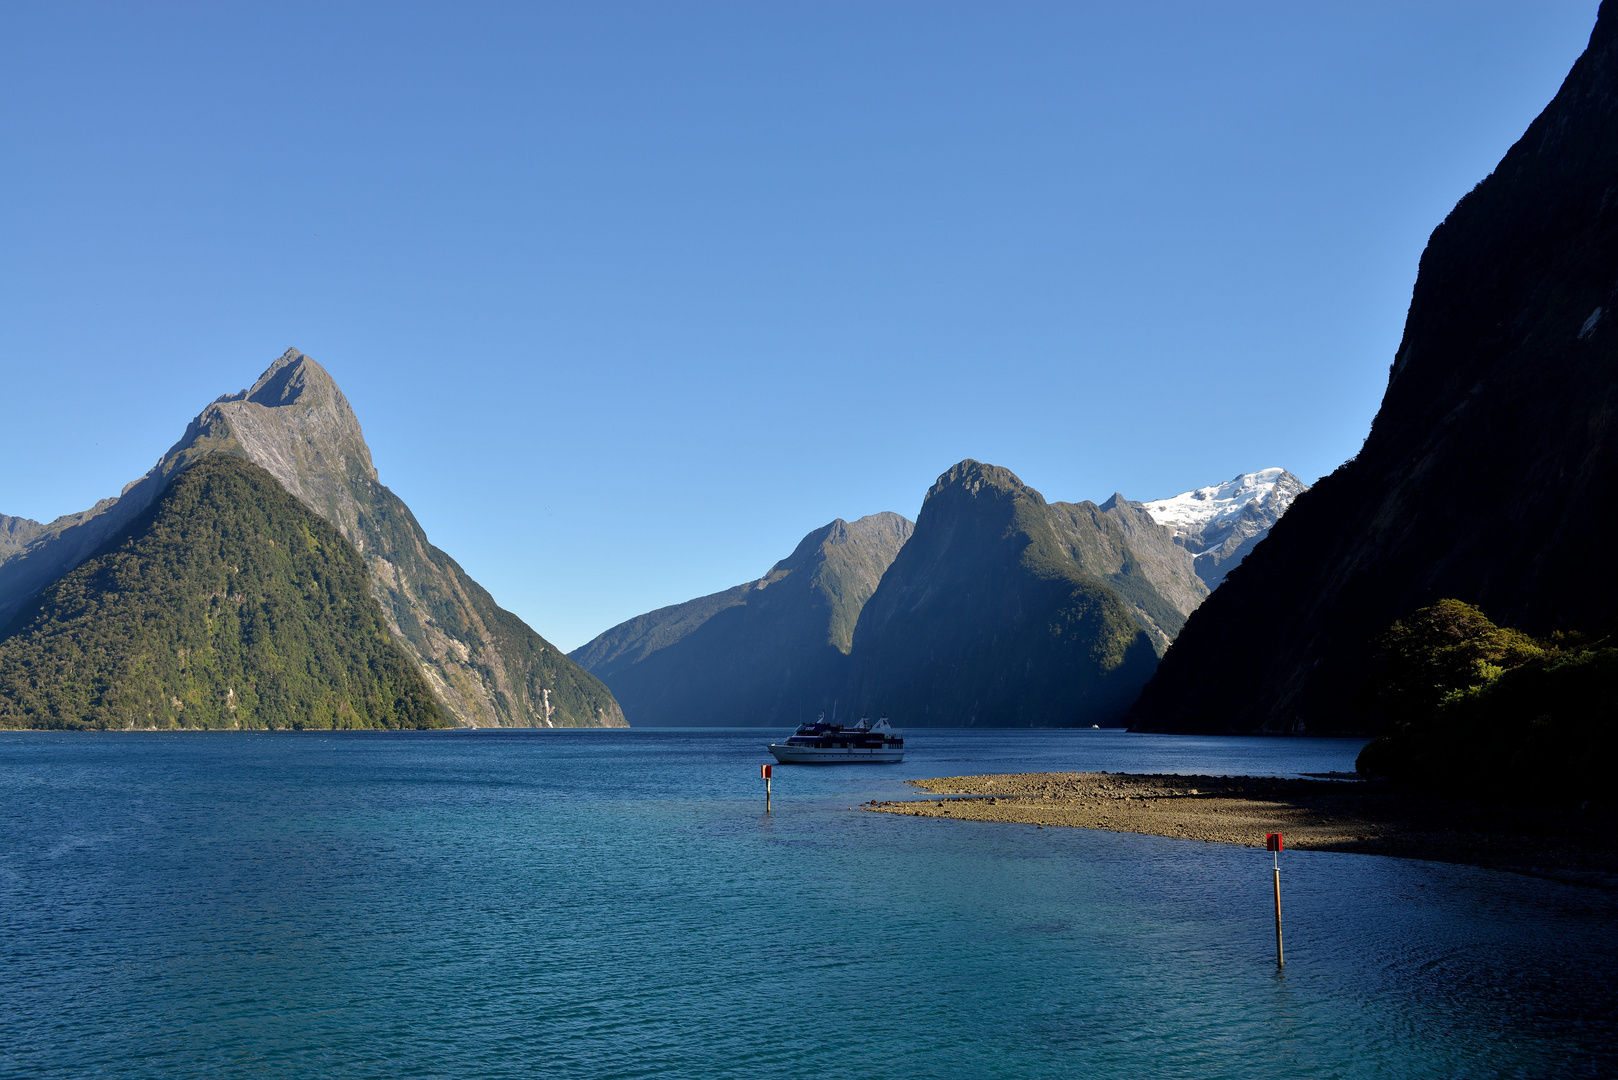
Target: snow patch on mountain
<point x="1191" y="512"/>
<point x="1221" y="523"/>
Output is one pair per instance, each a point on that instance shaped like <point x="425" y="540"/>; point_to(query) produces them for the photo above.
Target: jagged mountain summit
<point x="765" y="652"/>
<point x="485" y="665"/>
<point x="1221" y="523"/>
<point x="1490" y="474"/>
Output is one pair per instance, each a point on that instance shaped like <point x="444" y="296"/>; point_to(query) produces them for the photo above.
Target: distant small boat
<point x="821" y="743"/>
<point x="1095" y="727"/>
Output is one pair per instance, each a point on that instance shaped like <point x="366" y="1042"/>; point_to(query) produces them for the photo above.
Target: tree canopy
<point x="1468" y="705"/>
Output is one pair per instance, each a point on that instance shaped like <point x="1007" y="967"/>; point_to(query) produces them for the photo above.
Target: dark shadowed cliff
<point x="1491" y="470"/>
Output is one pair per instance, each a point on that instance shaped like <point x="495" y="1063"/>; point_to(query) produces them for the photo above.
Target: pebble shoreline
<point x="1314" y="815"/>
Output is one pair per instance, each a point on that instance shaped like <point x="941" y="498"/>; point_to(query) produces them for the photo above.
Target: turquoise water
<point x="615" y="904"/>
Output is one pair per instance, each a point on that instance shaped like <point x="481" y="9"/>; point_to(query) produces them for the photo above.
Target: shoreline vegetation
<point x="1461" y="702"/>
<point x="1570" y="843"/>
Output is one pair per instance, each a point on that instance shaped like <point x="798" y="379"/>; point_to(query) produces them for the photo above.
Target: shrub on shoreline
<point x="1468" y="705"/>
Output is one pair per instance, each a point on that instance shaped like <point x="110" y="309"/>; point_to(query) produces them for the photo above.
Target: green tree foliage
<point x="1439" y="653"/>
<point x="1470" y="705"/>
<point x="227" y="604"/>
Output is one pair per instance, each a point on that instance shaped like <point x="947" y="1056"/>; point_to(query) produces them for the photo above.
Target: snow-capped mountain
<point x="1221" y="523"/>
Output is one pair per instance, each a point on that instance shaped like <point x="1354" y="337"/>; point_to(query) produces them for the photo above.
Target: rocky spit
<point x="1314" y="815"/>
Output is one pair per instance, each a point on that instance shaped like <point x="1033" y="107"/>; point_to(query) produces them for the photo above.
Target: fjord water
<point x="617" y="904"/>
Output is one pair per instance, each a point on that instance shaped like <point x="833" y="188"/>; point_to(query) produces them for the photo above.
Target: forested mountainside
<point x="989" y="617"/>
<point x="226" y="604"/>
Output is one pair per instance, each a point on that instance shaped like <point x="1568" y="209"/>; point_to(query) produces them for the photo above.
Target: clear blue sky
<point x="629" y="297"/>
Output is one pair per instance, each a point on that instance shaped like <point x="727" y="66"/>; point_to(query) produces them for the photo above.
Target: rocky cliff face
<point x="486" y="666"/>
<point x="999" y="611"/>
<point x="1491" y="471"/>
<point x="771" y="651"/>
<point x="296" y="424"/>
<point x="1221" y="523"/>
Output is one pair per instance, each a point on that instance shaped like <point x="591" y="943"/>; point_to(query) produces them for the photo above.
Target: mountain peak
<point x="1115" y="500"/>
<point x="1221" y="523"/>
<point x="1192" y="515"/>
<point x="485" y="665"/>
<point x="295" y="422"/>
<point x="992" y="615"/>
<point x="290" y="379"/>
<point x="284" y="382"/>
<point x="973" y="477"/>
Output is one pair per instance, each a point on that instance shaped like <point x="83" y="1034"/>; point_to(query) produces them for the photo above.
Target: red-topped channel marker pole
<point x="766" y="771"/>
<point x="1272" y="842"/>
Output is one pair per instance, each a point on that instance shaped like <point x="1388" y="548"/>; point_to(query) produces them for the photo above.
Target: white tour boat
<point x="821" y="743"/>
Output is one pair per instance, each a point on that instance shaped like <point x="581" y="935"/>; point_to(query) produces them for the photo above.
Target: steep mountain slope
<point x="1491" y="470"/>
<point x="36" y="554"/>
<point x="1119" y="543"/>
<point x="989" y="617"/>
<point x="16" y="534"/>
<point x="768" y="652"/>
<point x="1221" y="523"/>
<point x="226" y="604"/>
<point x="486" y="666"/>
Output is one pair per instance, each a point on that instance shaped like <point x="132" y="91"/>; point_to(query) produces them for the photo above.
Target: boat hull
<point x="835" y="755"/>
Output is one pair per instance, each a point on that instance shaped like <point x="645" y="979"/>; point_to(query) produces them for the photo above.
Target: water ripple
<point x="616" y="905"/>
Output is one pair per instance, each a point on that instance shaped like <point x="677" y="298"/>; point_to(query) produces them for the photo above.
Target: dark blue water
<point x="615" y="904"/>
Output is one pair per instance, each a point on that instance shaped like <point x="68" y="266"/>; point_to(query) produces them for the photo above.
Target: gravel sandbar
<point x="1314" y="815"/>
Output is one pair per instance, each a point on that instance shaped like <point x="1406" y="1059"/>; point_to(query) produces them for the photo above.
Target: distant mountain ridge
<point x="16" y="534"/>
<point x="485" y="665"/>
<point x="759" y="653"/>
<point x="919" y="619"/>
<point x="35" y="554"/>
